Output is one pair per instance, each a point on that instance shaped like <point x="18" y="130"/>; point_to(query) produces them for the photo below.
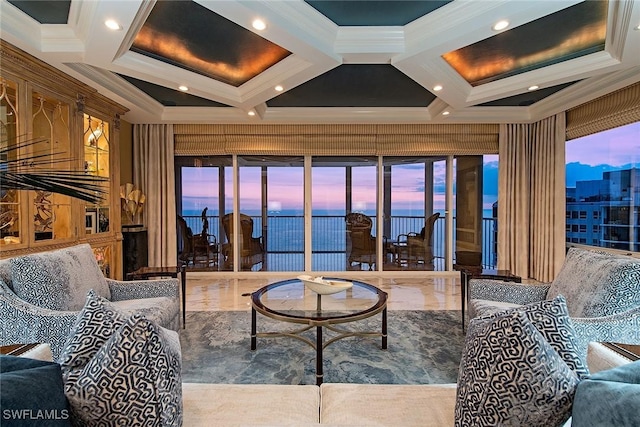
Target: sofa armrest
<point x="26" y="323"/>
<point x="623" y="328"/>
<point x="602" y="358"/>
<point x="138" y="289"/>
<point x="514" y="293"/>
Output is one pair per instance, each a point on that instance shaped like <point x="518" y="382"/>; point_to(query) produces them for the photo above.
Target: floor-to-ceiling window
<point x="603" y="193"/>
<point x="205" y="195"/>
<point x="603" y="189"/>
<point x="364" y="213"/>
<point x="271" y="204"/>
<point x="414" y="213"/>
<point x="343" y="203"/>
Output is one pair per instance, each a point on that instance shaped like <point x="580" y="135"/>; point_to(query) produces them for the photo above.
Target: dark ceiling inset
<point x="169" y="97"/>
<point x="339" y="61"/>
<point x="528" y="98"/>
<point x="45" y="12"/>
<point x="190" y="36"/>
<point x="570" y="33"/>
<point x="375" y="13"/>
<point x="357" y="85"/>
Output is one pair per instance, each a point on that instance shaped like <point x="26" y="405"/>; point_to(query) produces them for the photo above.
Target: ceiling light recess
<point x="445" y="113"/>
<point x="259" y="24"/>
<point x="251" y="113"/>
<point x="279" y="88"/>
<point x="500" y="25"/>
<point x="112" y="24"/>
<point x="183" y="88"/>
<point x="534" y="87"/>
<point x="437" y="88"/>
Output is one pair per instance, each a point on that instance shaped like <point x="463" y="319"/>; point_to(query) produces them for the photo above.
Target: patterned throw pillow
<point x="60" y="279"/>
<point x="133" y="378"/>
<point x="511" y="376"/>
<point x="96" y="323"/>
<point x="551" y="319"/>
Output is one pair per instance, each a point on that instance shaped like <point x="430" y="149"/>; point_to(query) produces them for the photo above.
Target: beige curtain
<point x="154" y="173"/>
<point x="531" y="200"/>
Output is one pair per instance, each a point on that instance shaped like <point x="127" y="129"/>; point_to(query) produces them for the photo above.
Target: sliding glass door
<point x="343" y="191"/>
<point x="342" y="213"/>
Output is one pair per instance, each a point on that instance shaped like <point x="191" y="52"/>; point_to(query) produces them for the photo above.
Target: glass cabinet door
<point x="9" y="198"/>
<point x="50" y="152"/>
<point x="96" y="162"/>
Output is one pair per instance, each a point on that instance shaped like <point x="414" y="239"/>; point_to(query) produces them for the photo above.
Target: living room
<point x="85" y="102"/>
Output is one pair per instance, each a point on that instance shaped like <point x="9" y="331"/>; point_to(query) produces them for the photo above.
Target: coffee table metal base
<point x="319" y="345"/>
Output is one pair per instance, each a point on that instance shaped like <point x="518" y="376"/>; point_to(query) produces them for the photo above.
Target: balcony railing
<point x="284" y="237"/>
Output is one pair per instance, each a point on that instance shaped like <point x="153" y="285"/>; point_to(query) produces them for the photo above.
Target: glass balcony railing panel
<point x="285" y="240"/>
<point x="328" y="234"/>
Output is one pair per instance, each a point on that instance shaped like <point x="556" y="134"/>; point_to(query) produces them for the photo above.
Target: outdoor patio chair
<point x="417" y="248"/>
<point x="205" y="250"/>
<point x="251" y="248"/>
<point x="184" y="238"/>
<point x="361" y="245"/>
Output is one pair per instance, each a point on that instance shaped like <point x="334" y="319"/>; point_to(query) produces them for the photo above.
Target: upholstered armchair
<point x="41" y="295"/>
<point x="602" y="292"/>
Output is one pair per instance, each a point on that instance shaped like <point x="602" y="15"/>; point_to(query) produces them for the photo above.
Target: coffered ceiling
<point x="358" y="61"/>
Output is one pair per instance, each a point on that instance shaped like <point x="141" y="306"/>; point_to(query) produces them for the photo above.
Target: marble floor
<point x="210" y="292"/>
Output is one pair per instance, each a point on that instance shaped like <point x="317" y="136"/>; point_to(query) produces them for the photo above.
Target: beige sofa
<point x="335" y="403"/>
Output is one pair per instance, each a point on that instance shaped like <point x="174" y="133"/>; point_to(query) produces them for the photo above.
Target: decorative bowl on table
<point x="323" y="286"/>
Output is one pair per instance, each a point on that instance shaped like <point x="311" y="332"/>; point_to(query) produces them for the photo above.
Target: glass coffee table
<point x="291" y="301"/>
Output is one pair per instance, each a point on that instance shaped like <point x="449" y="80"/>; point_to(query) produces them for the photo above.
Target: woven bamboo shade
<point x="618" y="108"/>
<point x="336" y="140"/>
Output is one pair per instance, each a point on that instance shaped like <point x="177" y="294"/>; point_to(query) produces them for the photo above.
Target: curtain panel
<point x="153" y="160"/>
<point x="531" y="199"/>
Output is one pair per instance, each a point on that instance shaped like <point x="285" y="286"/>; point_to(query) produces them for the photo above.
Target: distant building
<point x="606" y="212"/>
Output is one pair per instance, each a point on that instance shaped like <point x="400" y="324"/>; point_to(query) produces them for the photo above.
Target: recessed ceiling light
<point x="112" y="24"/>
<point x="638" y="27"/>
<point x="534" y="87"/>
<point x="259" y="24"/>
<point x="183" y="88"/>
<point x="279" y="88"/>
<point x="437" y="88"/>
<point x="445" y="113"/>
<point x="251" y="113"/>
<point x="500" y="25"/>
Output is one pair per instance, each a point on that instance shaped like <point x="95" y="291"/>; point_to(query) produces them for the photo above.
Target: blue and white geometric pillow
<point x="133" y="379"/>
<point x="551" y="319"/>
<point x="96" y="323"/>
<point x="511" y="376"/>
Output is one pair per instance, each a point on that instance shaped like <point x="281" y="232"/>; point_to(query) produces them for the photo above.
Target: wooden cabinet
<point x="55" y="125"/>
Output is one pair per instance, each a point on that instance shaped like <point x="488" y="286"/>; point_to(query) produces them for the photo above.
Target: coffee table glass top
<point x="292" y="300"/>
